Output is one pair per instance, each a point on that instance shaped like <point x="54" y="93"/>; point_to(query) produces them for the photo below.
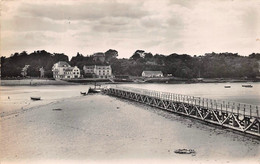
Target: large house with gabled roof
<point x="99" y="71"/>
<point x="62" y="70"/>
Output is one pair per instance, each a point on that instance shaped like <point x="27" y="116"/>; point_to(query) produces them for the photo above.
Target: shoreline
<point x="37" y="82"/>
<point x="33" y="82"/>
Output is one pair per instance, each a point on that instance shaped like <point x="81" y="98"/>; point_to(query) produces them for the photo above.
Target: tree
<point x="148" y="55"/>
<point x="2" y="59"/>
<point x="138" y="54"/>
<point x="60" y="57"/>
<point x="110" y="54"/>
<point x="255" y="56"/>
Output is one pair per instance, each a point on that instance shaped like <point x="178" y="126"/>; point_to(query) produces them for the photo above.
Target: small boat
<point x="227" y="86"/>
<point x="247" y="86"/>
<point x="35" y="98"/>
<point x="185" y="151"/>
<point x="83" y="93"/>
<point x="94" y="90"/>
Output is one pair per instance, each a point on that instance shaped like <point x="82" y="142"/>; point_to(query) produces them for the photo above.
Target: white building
<point x="41" y="72"/>
<point x="62" y="70"/>
<point x="152" y="74"/>
<point x="98" y="71"/>
<point x="24" y="70"/>
<point x="72" y="72"/>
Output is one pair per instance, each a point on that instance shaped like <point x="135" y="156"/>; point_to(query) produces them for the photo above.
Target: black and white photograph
<point x="130" y="81"/>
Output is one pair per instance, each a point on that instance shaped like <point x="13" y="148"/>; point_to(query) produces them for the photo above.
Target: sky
<point x="193" y="27"/>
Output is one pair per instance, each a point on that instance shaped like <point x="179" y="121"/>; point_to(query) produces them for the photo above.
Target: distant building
<point x="41" y="72"/>
<point x="99" y="57"/>
<point x="98" y="71"/>
<point x="62" y="70"/>
<point x="152" y="74"/>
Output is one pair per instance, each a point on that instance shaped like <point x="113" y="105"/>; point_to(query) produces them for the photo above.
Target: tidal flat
<point x="101" y="129"/>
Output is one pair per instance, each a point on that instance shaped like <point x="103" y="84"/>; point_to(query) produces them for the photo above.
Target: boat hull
<point x="35" y="98"/>
<point x="83" y="93"/>
<point x="94" y="90"/>
<point x="247" y="86"/>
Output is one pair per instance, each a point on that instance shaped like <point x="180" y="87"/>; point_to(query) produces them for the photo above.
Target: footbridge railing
<point x="238" y="116"/>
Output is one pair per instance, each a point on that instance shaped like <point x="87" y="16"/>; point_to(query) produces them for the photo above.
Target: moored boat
<point x="94" y="90"/>
<point x="227" y="86"/>
<point x="185" y="151"/>
<point x="35" y="98"/>
<point x="83" y="93"/>
<point x="247" y="86"/>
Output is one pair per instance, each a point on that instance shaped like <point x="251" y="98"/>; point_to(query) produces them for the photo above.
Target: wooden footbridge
<point x="233" y="115"/>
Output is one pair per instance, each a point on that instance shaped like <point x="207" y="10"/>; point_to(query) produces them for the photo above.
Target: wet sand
<point x="24" y="82"/>
<point x="101" y="129"/>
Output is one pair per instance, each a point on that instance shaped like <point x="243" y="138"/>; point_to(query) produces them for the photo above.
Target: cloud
<point x="183" y="3"/>
<point x="83" y="10"/>
<point x="250" y="20"/>
<point x="112" y="25"/>
<point x="22" y="24"/>
<point x="152" y="22"/>
<point x="18" y="41"/>
<point x="166" y="26"/>
<point x="116" y="21"/>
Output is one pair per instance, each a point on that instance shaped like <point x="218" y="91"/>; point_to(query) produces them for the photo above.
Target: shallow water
<point x="236" y="93"/>
<point x="13" y="98"/>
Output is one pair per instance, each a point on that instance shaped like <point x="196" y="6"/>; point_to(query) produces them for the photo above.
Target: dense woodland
<point x="210" y="65"/>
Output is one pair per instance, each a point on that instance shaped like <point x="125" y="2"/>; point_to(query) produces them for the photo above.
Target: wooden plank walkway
<point x="233" y="115"/>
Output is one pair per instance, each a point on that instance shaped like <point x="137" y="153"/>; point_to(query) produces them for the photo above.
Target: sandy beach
<point x="81" y="129"/>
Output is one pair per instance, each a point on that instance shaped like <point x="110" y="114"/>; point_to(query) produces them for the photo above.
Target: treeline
<point x="12" y="66"/>
<point x="98" y="58"/>
<point x="210" y="65"/>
